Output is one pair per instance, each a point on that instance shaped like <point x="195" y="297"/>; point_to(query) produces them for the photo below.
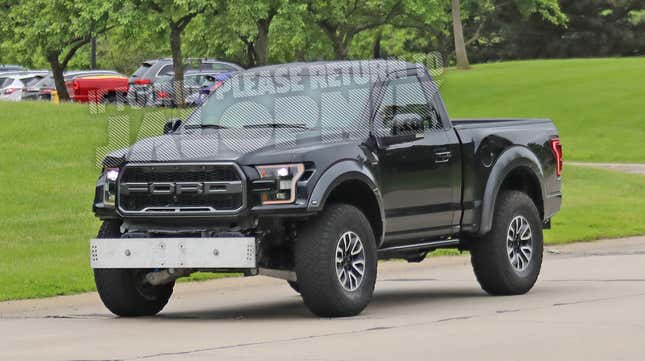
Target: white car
<point x="13" y="84"/>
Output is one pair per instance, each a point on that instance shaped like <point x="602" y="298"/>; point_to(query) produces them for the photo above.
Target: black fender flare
<point x="511" y="159"/>
<point x="338" y="173"/>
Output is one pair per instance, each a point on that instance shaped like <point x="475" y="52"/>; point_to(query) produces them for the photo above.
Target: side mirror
<point x="407" y="124"/>
<point x="406" y="127"/>
<point x="171" y="126"/>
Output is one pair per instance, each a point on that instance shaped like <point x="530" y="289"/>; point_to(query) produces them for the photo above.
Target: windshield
<point x="289" y="99"/>
<point x="31" y="80"/>
<point x="46" y="82"/>
<point x="141" y="71"/>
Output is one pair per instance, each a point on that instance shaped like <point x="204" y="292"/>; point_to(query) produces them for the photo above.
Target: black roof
<point x="366" y="67"/>
<point x="9" y="67"/>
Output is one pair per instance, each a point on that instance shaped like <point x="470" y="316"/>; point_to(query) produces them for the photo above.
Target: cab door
<point x="417" y="165"/>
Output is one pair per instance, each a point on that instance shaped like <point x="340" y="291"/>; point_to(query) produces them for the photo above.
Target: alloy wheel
<point x="350" y="261"/>
<point x="519" y="243"/>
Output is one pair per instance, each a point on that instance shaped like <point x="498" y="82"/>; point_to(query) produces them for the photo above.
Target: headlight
<point x="285" y="176"/>
<point x="112" y="174"/>
<point x="109" y="177"/>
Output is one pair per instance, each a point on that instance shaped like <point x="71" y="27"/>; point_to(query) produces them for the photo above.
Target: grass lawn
<point x="48" y="154"/>
<point x="598" y="204"/>
<point x="597" y="104"/>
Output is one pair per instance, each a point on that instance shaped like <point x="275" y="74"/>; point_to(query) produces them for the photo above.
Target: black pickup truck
<point x="311" y="172"/>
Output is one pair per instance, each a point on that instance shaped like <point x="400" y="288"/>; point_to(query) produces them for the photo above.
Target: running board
<point x="410" y="248"/>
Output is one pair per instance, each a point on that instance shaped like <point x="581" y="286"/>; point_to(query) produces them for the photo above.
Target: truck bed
<point x="463" y="123"/>
<point x="484" y="142"/>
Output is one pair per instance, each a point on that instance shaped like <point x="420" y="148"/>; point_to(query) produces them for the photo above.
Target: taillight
<point x="217" y="85"/>
<point x="10" y="91"/>
<point x="162" y="94"/>
<point x="142" y="81"/>
<point x="556" y="148"/>
<point x="76" y="85"/>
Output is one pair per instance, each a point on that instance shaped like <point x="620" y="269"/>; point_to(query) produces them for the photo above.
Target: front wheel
<point x="508" y="259"/>
<point x="124" y="291"/>
<point x="336" y="262"/>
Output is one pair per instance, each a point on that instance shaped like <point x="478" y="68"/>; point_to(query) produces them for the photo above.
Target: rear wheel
<point x="124" y="291"/>
<point x="336" y="262"/>
<point x="507" y="261"/>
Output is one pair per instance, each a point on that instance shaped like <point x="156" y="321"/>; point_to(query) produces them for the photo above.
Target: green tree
<point x="254" y="33"/>
<point x="176" y="15"/>
<point x="123" y="48"/>
<point x="341" y="21"/>
<point x="253" y="22"/>
<point x="549" y="10"/>
<point x="55" y="30"/>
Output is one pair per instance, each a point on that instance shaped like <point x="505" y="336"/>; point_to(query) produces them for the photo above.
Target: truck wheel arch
<point x="352" y="183"/>
<point x="516" y="163"/>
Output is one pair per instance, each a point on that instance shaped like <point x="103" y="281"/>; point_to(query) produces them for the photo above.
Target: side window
<point x="165" y="70"/>
<point x="218" y="67"/>
<point x="192" y="80"/>
<point x="404" y="97"/>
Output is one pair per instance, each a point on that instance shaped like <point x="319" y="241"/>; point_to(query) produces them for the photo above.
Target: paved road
<point x="588" y="305"/>
<point x="634" y="168"/>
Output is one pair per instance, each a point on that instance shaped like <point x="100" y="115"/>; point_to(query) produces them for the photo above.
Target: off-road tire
<point x="489" y="255"/>
<point x="315" y="261"/>
<point x="123" y="291"/>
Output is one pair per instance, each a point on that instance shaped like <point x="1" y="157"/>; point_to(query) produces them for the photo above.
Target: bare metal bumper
<point x="197" y="253"/>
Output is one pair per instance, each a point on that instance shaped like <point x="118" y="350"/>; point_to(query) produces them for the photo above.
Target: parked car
<point x="40" y="90"/>
<point x="212" y="83"/>
<point x="101" y="86"/>
<point x="43" y="89"/>
<point x="142" y="80"/>
<point x="13" y="84"/>
<point x="10" y="68"/>
<point x="311" y="173"/>
<point x="196" y="85"/>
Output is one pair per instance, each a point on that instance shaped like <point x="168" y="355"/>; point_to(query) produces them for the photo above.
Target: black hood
<point x="243" y="146"/>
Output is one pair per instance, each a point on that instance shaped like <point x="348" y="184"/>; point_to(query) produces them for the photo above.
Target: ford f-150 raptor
<point x="312" y="172"/>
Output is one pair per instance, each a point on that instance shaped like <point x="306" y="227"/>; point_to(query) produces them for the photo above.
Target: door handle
<point x="442" y="157"/>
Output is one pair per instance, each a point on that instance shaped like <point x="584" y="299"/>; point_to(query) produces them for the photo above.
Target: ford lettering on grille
<point x="181" y="187"/>
<point x="190" y="189"/>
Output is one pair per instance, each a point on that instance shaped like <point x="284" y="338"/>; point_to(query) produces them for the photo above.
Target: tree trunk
<point x="376" y="47"/>
<point x="458" y="30"/>
<point x="341" y="48"/>
<point x="250" y="54"/>
<point x="178" y="64"/>
<point x="59" y="79"/>
<point x="93" y="53"/>
<point x="262" y="42"/>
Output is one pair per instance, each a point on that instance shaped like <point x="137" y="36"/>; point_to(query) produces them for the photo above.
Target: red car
<point x="96" y="86"/>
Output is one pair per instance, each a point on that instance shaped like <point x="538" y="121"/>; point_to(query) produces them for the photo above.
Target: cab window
<point x="405" y="102"/>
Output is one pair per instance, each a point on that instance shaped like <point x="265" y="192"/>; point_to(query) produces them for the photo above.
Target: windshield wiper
<point x="277" y="125"/>
<point x="204" y="126"/>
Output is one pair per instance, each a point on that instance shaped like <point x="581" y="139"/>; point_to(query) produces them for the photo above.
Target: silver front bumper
<point x="197" y="253"/>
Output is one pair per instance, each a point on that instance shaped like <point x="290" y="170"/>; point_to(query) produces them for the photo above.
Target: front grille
<point x="186" y="189"/>
<point x="180" y="173"/>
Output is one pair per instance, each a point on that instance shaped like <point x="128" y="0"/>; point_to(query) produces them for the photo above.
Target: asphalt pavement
<point x="589" y="304"/>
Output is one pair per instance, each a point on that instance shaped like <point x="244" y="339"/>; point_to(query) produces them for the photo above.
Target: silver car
<point x="12" y="85"/>
<point x="141" y="84"/>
